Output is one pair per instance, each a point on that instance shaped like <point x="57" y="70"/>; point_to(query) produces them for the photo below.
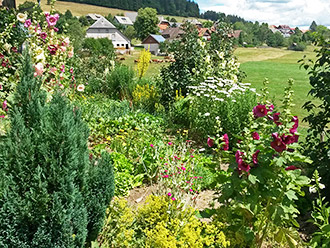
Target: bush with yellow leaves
<point x="146" y="97"/>
<point x="159" y="223"/>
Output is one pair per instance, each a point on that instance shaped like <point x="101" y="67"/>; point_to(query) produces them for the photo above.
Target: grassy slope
<point x="79" y="9"/>
<point x="278" y="65"/>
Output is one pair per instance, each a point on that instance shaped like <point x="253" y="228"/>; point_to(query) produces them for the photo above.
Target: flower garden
<point x="79" y="131"/>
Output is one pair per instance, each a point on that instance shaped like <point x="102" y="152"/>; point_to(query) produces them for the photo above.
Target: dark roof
<point x="172" y="33"/>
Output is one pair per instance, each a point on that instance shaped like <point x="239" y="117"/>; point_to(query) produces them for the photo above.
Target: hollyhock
<point x="55" y="29"/>
<point x="14" y="49"/>
<point x="2" y="116"/>
<point x="151" y="145"/>
<point x="271" y="108"/>
<point x="43" y="35"/>
<point x="169" y="194"/>
<point x="173" y="199"/>
<point x="255" y="136"/>
<point x="255" y="157"/>
<point x="53" y="70"/>
<point x="81" y="88"/>
<point x="21" y="17"/>
<point x="39" y="69"/>
<point x="226" y="140"/>
<point x="210" y="142"/>
<point x="27" y="23"/>
<point x="276" y="118"/>
<point x="242" y="166"/>
<point x="170" y="143"/>
<point x="70" y="53"/>
<point x="52" y="19"/>
<point x="260" y="111"/>
<point x="277" y="144"/>
<point x="4" y="105"/>
<point x="295" y="125"/>
<point x="66" y="42"/>
<point x="292" y="167"/>
<point x="52" y="49"/>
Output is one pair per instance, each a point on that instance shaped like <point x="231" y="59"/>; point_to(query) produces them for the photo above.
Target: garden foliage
<point x="51" y="194"/>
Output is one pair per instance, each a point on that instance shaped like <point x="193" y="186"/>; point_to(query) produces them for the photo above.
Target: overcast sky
<point x="291" y="12"/>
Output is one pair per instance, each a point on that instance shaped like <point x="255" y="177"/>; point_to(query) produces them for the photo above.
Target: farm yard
<point x="105" y="145"/>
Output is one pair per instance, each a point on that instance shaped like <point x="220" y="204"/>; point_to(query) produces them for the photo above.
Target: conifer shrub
<point x="51" y="195"/>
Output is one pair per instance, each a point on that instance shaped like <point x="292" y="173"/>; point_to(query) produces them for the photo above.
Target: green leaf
<point x="291" y="195"/>
<point x="253" y="179"/>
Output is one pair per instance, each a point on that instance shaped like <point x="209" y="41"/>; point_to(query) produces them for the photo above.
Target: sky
<point x="294" y="13"/>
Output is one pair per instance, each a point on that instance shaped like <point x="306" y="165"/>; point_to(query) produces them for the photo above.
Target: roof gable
<point x="102" y="23"/>
<point x="124" y="20"/>
<point x="153" y="38"/>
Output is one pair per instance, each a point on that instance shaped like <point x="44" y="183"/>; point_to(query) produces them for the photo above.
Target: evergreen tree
<point x="313" y="26"/>
<point x="47" y="194"/>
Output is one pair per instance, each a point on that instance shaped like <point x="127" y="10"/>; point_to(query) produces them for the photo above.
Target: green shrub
<point x="48" y="196"/>
<point x="160" y="222"/>
<point x="120" y="82"/>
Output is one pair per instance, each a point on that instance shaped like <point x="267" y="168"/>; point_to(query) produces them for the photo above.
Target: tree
<point x="313" y="26"/>
<point x="129" y="32"/>
<point x="146" y="23"/>
<point x="48" y="196"/>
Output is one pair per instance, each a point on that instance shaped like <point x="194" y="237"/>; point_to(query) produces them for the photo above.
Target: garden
<point x="94" y="153"/>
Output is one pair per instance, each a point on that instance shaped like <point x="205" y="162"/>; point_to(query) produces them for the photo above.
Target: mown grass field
<point x="79" y="9"/>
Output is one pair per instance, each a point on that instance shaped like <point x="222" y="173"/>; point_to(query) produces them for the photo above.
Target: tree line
<point x="168" y="7"/>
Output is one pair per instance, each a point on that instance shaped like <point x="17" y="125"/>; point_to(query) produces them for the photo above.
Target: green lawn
<point x="278" y="65"/>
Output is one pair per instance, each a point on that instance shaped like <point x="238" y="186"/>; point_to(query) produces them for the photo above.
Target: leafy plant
<point x="143" y="64"/>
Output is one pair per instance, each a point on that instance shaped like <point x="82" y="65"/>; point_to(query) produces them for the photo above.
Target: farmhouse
<point x="123" y="20"/>
<point x="102" y="28"/>
<point x="205" y="33"/>
<point x="171" y="34"/>
<point x="152" y="43"/>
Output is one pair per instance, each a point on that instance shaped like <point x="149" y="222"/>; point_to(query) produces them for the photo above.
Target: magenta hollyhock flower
<point x="210" y="142"/>
<point x="43" y="35"/>
<point x="255" y="136"/>
<point x="173" y="199"/>
<point x="292" y="167"/>
<point x="260" y="111"/>
<point x="242" y="166"/>
<point x="295" y="125"/>
<point x="276" y="118"/>
<point x="169" y="194"/>
<point x="55" y="29"/>
<point x="52" y="49"/>
<point x="151" y="145"/>
<point x="271" y="108"/>
<point x="0" y="86"/>
<point x="226" y="140"/>
<point x="191" y="190"/>
<point x="191" y="156"/>
<point x="165" y="176"/>
<point x="4" y="105"/>
<point x="27" y="23"/>
<point x="170" y="143"/>
<point x="255" y="157"/>
<point x="238" y="156"/>
<point x="2" y="116"/>
<point x="183" y="168"/>
<point x="52" y="20"/>
<point x="14" y="49"/>
<point x="277" y="144"/>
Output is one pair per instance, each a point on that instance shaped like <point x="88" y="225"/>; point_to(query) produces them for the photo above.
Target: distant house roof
<point x="153" y="38"/>
<point x="203" y="32"/>
<point x="236" y="33"/>
<point x="94" y="17"/>
<point x="162" y="26"/>
<point x="123" y="20"/>
<point x="102" y="23"/>
<point x="194" y="21"/>
<point x="131" y="15"/>
<point x="172" y="33"/>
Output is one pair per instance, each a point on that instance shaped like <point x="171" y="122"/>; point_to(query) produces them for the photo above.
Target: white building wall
<point x="153" y="48"/>
<point x="117" y="39"/>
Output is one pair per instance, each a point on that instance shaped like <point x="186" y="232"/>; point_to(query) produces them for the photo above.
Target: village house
<point x="171" y="34"/>
<point x="205" y="33"/>
<point x="93" y="17"/>
<point x="131" y="15"/>
<point x="102" y="28"/>
<point x="123" y="20"/>
<point x="152" y="43"/>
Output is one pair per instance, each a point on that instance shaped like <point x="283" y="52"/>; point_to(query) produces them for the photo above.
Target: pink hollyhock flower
<point x="183" y="168"/>
<point x="276" y="118"/>
<point x="151" y="145"/>
<point x="4" y="105"/>
<point x="191" y="156"/>
<point x="277" y="144"/>
<point x="55" y="29"/>
<point x="47" y="14"/>
<point x="169" y="194"/>
<point x="66" y="42"/>
<point x="242" y="166"/>
<point x="0" y="86"/>
<point x="2" y="116"/>
<point x="288" y="139"/>
<point x="295" y="125"/>
<point x="63" y="49"/>
<point x="71" y="70"/>
<point x="62" y="68"/>
<point x="170" y="143"/>
<point x="292" y="167"/>
<point x="173" y="199"/>
<point x="165" y="176"/>
<point x="27" y="23"/>
<point x="226" y="140"/>
<point x="210" y="142"/>
<point x="255" y="157"/>
<point x="191" y="190"/>
<point x="43" y="35"/>
<point x="52" y="20"/>
<point x="70" y="53"/>
<point x="255" y="136"/>
<point x="39" y="69"/>
<point x="53" y="70"/>
<point x="271" y="108"/>
<point x="260" y="111"/>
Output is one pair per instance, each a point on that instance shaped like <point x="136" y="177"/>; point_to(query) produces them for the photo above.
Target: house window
<point x="117" y="45"/>
<point x="122" y="45"/>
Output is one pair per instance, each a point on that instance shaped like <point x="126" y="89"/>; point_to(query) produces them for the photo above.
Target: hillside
<point x="168" y="7"/>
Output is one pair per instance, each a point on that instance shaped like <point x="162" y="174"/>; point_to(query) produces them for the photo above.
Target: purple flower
<point x="292" y="167"/>
<point x="276" y="118"/>
<point x="226" y="140"/>
<point x="27" y="23"/>
<point x="277" y="144"/>
<point x="151" y="145"/>
<point x="295" y="125"/>
<point x="255" y="157"/>
<point x="170" y="143"/>
<point x="43" y="35"/>
<point x="169" y="194"/>
<point x="173" y="199"/>
<point x="260" y="111"/>
<point x="255" y="136"/>
<point x="241" y="164"/>
<point x="210" y="142"/>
